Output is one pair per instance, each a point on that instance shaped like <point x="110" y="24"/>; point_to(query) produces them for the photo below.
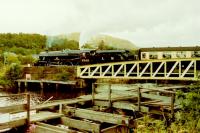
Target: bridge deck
<point x="47" y="81"/>
<point x="170" y="69"/>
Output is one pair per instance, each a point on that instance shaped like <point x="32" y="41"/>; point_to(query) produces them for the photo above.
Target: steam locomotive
<point x="84" y="57"/>
<point x="81" y="57"/>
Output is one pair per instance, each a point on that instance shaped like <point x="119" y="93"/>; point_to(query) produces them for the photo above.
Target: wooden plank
<point x="156" y="97"/>
<point x="124" y="95"/>
<point x="41" y="129"/>
<point x="81" y="125"/>
<point x="44" y="115"/>
<point x="116" y="129"/>
<point x="134" y="94"/>
<point x="47" y="81"/>
<point x="99" y="116"/>
<point x="13" y="108"/>
<point x="12" y="124"/>
<point x="121" y="105"/>
<point x="159" y="90"/>
<point x="58" y="102"/>
<point x="13" y="95"/>
<point x="57" y="128"/>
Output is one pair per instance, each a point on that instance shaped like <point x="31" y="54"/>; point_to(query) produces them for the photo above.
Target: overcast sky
<point x="146" y="23"/>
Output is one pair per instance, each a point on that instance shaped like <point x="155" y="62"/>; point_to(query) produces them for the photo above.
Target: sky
<point x="146" y="23"/>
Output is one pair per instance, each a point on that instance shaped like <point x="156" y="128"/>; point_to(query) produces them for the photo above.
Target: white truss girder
<point x="172" y="69"/>
<point x="131" y="70"/>
<point x="145" y="68"/>
<point x="119" y="69"/>
<point x="107" y="69"/>
<point x="157" y="70"/>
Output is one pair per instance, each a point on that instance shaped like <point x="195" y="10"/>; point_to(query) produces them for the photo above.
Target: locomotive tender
<point x="84" y="57"/>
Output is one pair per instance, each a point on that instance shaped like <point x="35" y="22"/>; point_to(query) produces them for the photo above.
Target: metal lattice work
<point x="173" y="69"/>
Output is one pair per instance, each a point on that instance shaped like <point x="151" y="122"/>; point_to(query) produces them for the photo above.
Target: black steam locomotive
<point x="84" y="57"/>
<point x="81" y="57"/>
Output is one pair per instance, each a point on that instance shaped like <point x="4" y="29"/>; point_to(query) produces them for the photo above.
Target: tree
<point x="29" y="59"/>
<point x="88" y="46"/>
<point x="13" y="72"/>
<point x="103" y="46"/>
<point x="11" y="58"/>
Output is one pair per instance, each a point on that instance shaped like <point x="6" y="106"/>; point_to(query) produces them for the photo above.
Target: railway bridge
<point x="168" y="69"/>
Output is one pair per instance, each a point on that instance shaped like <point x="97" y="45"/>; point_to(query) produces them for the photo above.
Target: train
<point x="92" y="56"/>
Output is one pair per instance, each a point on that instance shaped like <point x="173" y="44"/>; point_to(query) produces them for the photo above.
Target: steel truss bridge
<point x="169" y="69"/>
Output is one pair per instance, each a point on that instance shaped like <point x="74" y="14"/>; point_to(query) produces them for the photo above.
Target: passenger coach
<point x="169" y="52"/>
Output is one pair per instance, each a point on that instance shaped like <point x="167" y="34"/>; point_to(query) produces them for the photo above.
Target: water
<point x="37" y="97"/>
<point x="14" y="100"/>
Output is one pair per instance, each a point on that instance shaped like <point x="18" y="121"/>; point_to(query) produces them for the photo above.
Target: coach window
<point x="143" y="55"/>
<point x="153" y="55"/>
<point x="196" y="54"/>
<point x="167" y="55"/>
<point x="181" y="54"/>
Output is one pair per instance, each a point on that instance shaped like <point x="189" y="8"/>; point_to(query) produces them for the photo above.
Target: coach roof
<point x="197" y="48"/>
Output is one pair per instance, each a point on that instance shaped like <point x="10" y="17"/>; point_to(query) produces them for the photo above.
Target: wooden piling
<point x="42" y="88"/>
<point x="28" y="109"/>
<point x="93" y="93"/>
<point x="26" y="87"/>
<point x="139" y="99"/>
<point x="172" y="105"/>
<point x="109" y="95"/>
<point x="19" y="87"/>
<point x="57" y="90"/>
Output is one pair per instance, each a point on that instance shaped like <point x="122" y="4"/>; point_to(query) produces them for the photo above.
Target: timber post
<point x="28" y="109"/>
<point x="26" y="86"/>
<point x="93" y="93"/>
<point x="172" y="105"/>
<point x="42" y="88"/>
<point x="60" y="108"/>
<point x="19" y="87"/>
<point x="139" y="99"/>
<point x="57" y="89"/>
<point x="109" y="95"/>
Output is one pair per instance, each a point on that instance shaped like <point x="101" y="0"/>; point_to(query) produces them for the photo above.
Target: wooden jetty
<point x="42" y="82"/>
<point x="104" y="111"/>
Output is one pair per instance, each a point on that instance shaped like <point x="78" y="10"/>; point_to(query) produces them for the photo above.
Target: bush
<point x="63" y="77"/>
<point x="27" y="59"/>
<point x="189" y="115"/>
<point x="13" y="72"/>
